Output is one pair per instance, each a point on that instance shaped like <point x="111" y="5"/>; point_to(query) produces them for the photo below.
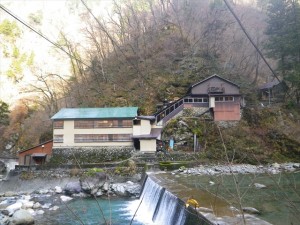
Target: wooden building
<point x="214" y="94"/>
<point x="36" y="155"/>
<point x="273" y="91"/>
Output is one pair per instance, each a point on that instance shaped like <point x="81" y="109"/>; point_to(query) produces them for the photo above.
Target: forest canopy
<point x="144" y="52"/>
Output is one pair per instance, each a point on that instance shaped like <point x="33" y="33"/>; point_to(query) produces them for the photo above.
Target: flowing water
<point x="156" y="206"/>
<point x="87" y="211"/>
<point x="160" y="202"/>
<point x="160" y="207"/>
<point x="279" y="202"/>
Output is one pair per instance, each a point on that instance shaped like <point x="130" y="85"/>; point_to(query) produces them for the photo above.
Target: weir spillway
<point x="164" y="208"/>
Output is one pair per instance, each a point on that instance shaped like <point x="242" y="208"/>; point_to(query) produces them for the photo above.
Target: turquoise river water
<point x="88" y="212"/>
<point x="279" y="202"/>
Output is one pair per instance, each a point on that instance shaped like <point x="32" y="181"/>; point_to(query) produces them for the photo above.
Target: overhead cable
<point x="40" y="34"/>
<point x="250" y="39"/>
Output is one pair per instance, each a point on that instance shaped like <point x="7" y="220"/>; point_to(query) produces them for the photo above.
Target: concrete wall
<point x="148" y="145"/>
<point x="227" y="111"/>
<point x="143" y="128"/>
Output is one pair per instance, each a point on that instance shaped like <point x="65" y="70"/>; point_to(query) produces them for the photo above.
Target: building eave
<point x="46" y="142"/>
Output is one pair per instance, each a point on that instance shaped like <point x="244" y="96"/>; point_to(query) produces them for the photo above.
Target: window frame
<point x="105" y="123"/>
<point x="58" y="124"/>
<point x="58" y="138"/>
<point x="100" y="138"/>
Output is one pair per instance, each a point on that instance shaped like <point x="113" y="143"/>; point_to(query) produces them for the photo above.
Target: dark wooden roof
<point x="269" y="85"/>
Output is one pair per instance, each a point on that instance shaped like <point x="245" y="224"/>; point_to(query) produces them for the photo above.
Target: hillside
<point x="264" y="135"/>
<point x="137" y="53"/>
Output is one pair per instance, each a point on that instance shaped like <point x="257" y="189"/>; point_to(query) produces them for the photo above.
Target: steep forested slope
<point x="264" y="135"/>
<point x="140" y="53"/>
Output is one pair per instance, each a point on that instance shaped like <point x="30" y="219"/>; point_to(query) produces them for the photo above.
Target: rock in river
<point x="250" y="210"/>
<point x="73" y="187"/>
<point x="259" y="186"/>
<point x="21" y="217"/>
<point x="92" y="184"/>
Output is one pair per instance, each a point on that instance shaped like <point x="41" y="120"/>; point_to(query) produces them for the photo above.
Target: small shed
<point x="36" y="155"/>
<point x="273" y="90"/>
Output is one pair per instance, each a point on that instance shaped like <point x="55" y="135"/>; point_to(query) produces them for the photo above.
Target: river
<point x="88" y="211"/>
<point x="278" y="202"/>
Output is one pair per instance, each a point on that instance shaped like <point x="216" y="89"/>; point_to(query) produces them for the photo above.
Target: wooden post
<point x="195" y="142"/>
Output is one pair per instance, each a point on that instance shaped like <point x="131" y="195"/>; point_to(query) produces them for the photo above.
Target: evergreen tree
<point x="284" y="41"/>
<point x="4" y="113"/>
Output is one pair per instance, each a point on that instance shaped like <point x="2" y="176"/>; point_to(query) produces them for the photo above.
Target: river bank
<point x="45" y="191"/>
<point x="274" y="168"/>
<point x="21" y="200"/>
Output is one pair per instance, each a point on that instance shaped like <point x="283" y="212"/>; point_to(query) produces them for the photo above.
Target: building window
<point x="224" y="99"/>
<point x="121" y="137"/>
<point x="83" y="124"/>
<point x="105" y="123"/>
<point x="126" y="123"/>
<point x="58" y="138"/>
<point x="198" y="100"/>
<point x="195" y="100"/>
<point x="58" y="124"/>
<point x="188" y="100"/>
<point x="229" y="99"/>
<point x="92" y="138"/>
<point x="91" y="124"/>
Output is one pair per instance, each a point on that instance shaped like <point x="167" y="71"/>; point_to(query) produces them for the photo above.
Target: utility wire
<point x="47" y="39"/>
<point x="42" y="35"/>
<point x="249" y="38"/>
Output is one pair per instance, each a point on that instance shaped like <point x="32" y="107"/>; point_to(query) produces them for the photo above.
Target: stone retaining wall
<point x="194" y="112"/>
<point x="84" y="155"/>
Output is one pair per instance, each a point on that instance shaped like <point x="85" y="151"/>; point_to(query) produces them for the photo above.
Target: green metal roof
<point x="96" y="113"/>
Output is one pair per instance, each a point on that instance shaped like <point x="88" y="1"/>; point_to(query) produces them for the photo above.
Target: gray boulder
<point x="119" y="189"/>
<point x="296" y="165"/>
<point x="21" y="217"/>
<point x="73" y="188"/>
<point x="250" y="210"/>
<point x="259" y="186"/>
<point x="4" y="212"/>
<point x="2" y="167"/>
<point x="127" y="189"/>
<point x="133" y="189"/>
<point x="9" y="194"/>
<point x="36" y="205"/>
<point x="92" y="184"/>
<point x="4" y="219"/>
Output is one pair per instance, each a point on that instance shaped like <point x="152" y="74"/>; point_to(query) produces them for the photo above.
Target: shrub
<point x="25" y="175"/>
<point x="74" y="172"/>
<point x="92" y="172"/>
